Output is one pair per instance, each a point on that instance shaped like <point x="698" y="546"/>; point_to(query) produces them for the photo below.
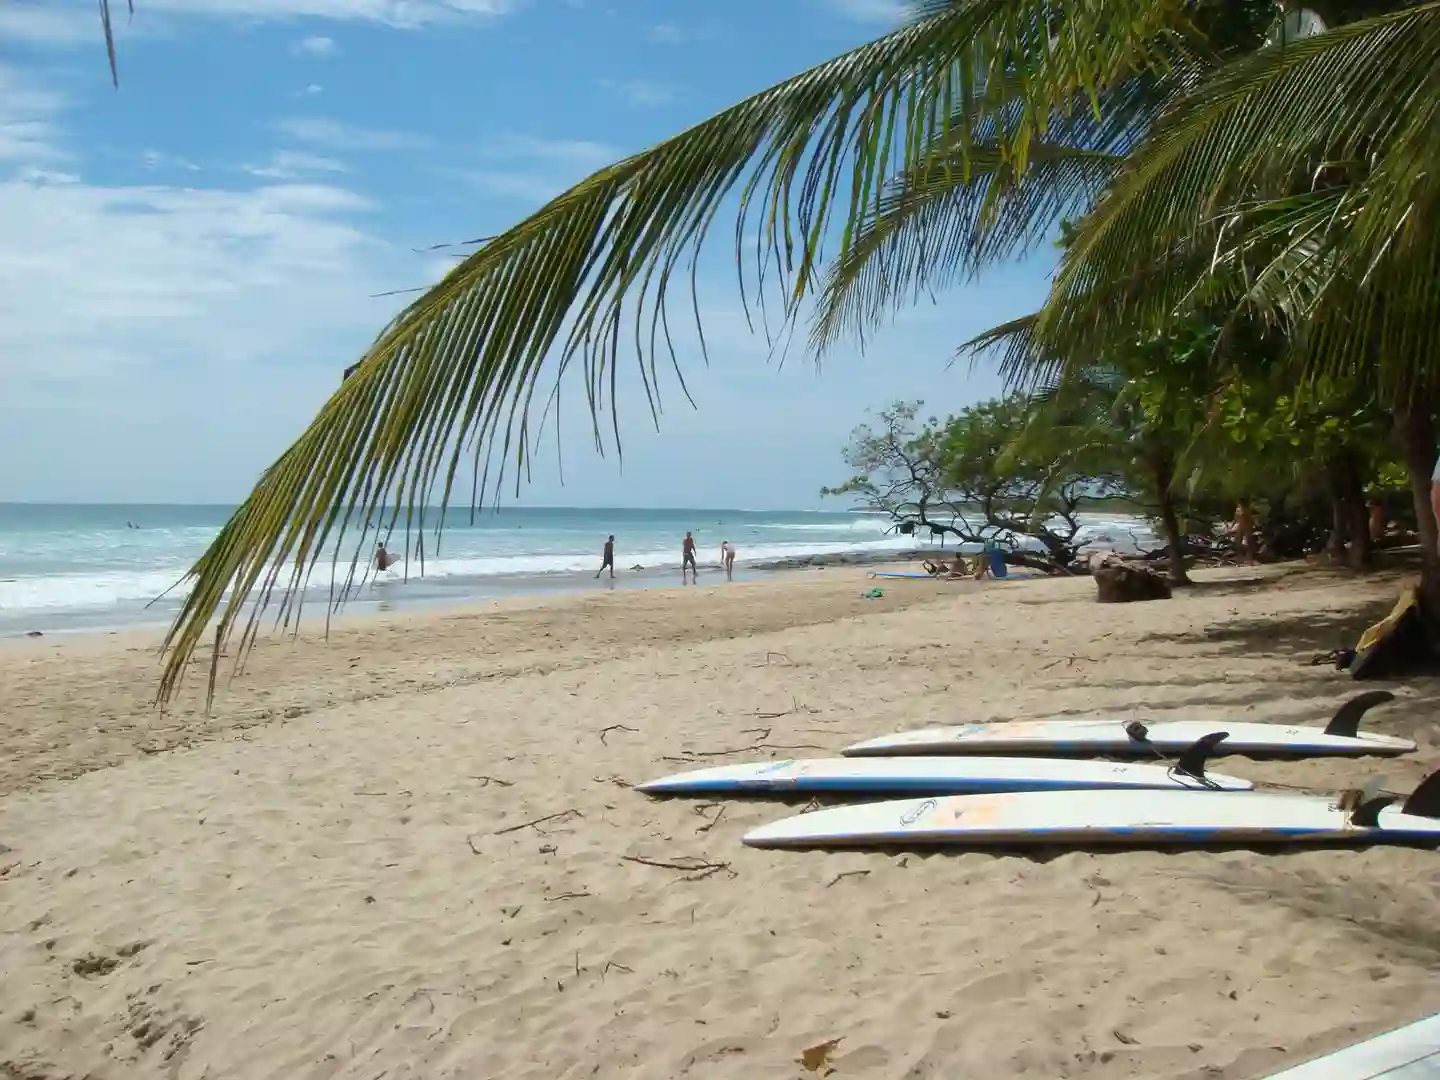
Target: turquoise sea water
<point x="80" y="567"/>
<point x="67" y="567"/>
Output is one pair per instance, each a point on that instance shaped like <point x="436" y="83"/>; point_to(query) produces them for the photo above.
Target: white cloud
<point x="534" y="169"/>
<point x="399" y="13"/>
<point x="334" y="135"/>
<point x="48" y="23"/>
<point x="317" y="45"/>
<point x="572" y="151"/>
<point x="37" y="25"/>
<point x="669" y="33"/>
<point x="293" y="164"/>
<point x="158" y="159"/>
<point x="872" y="11"/>
<point x="123" y="301"/>
<point x="312" y="90"/>
<point x="27" y="114"/>
<point x="640" y="92"/>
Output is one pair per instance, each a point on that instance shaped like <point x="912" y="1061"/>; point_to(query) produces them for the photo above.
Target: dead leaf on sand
<point x="816" y="1059"/>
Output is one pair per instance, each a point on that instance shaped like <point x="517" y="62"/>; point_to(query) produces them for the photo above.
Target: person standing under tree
<point x="1243" y="530"/>
<point x="687" y="559"/>
<point x="607" y="558"/>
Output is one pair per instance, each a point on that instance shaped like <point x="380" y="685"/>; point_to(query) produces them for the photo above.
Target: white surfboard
<point x="946" y="775"/>
<point x="1129" y="818"/>
<point x="1411" y="1052"/>
<point x="1341" y="737"/>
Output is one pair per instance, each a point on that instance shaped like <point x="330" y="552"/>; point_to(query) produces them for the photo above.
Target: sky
<point x="188" y="263"/>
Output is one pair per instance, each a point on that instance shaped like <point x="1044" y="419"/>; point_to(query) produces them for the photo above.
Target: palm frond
<point x="460" y="368"/>
<point x="108" y="27"/>
<point x="1355" y="108"/>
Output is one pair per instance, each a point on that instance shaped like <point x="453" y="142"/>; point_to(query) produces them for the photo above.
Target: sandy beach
<point x="332" y="875"/>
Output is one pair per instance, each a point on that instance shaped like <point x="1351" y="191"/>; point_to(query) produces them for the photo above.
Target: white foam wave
<point x="128" y="588"/>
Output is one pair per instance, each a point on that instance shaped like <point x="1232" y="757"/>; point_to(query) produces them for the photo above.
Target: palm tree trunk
<point x="1416" y="426"/>
<point x="1162" y="469"/>
<point x="1351" y="535"/>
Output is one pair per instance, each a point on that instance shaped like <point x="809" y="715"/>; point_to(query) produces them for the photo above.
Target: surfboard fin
<point x="1424" y="801"/>
<point x="1362" y="805"/>
<point x="1346" y="721"/>
<point x="1192" y="761"/>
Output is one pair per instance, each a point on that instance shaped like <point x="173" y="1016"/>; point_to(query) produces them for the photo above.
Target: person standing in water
<point x="687" y="559"/>
<point x="383" y="559"/>
<point x="727" y="559"/>
<point x="607" y="558"/>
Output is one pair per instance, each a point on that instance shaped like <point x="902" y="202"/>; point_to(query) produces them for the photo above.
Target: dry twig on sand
<point x="694" y="868"/>
<point x="572" y="812"/>
<point x="614" y="727"/>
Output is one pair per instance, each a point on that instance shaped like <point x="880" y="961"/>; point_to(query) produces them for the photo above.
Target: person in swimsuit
<point x="607" y="558"/>
<point x="727" y="559"/>
<point x="687" y="559"/>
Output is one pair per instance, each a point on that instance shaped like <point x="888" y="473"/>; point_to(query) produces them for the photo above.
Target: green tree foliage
<point x="983" y="473"/>
<point x="1297" y="180"/>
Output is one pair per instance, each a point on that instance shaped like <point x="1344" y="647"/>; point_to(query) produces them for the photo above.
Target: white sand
<point x="317" y="881"/>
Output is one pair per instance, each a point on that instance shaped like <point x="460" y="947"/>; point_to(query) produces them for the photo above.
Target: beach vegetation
<point x="984" y="474"/>
<point x="1215" y="167"/>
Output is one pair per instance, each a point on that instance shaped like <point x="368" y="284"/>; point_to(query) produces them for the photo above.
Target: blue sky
<point x="188" y="263"/>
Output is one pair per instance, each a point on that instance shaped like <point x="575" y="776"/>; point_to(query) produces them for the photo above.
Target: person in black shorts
<point x="607" y="558"/>
<point x="687" y="559"/>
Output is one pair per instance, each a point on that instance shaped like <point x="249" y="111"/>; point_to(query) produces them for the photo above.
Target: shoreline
<point x="432" y="594"/>
<point x="411" y="847"/>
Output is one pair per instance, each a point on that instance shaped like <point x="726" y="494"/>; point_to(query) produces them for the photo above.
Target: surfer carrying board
<point x="607" y="558"/>
<point x="687" y="559"/>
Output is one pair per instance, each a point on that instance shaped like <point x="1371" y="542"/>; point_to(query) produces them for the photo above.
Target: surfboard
<point x="1411" y="1052"/>
<point x="945" y="775"/>
<point x="1135" y="738"/>
<point x="1116" y="818"/>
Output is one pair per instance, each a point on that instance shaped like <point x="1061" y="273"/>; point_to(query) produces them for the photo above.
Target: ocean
<point x="105" y="567"/>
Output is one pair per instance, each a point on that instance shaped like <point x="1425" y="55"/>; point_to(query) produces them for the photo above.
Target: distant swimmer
<point x="727" y="559"/>
<point x="687" y="559"/>
<point x="607" y="558"/>
<point x="383" y="559"/>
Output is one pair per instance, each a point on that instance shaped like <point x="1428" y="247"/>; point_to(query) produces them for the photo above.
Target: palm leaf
<point x="965" y="209"/>
<point x="1365" y="96"/>
<point x="459" y="369"/>
<point x="109" y="30"/>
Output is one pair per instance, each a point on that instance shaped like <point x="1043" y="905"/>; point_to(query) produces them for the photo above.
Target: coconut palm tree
<point x="1295" y="184"/>
<point x="1302" y="185"/>
<point x="1003" y="89"/>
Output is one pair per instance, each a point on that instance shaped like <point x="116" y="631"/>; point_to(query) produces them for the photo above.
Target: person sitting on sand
<point x="727" y="559"/>
<point x="383" y="559"/>
<point x="607" y="558"/>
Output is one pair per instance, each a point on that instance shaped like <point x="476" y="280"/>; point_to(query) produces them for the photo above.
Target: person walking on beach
<point x="687" y="559"/>
<point x="383" y="559"/>
<point x="727" y="559"/>
<point x="607" y="558"/>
